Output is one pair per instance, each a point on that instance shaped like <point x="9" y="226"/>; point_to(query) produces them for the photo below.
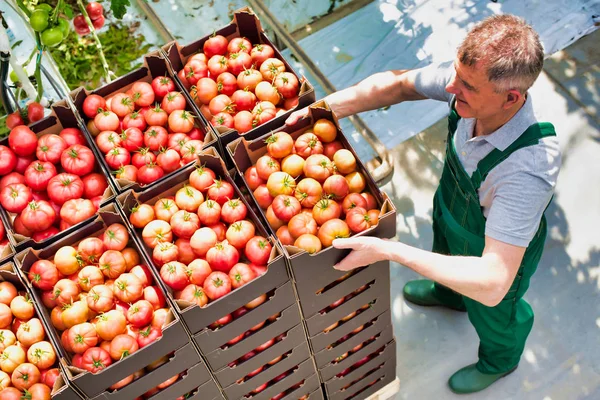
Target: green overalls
<point x="459" y="229"/>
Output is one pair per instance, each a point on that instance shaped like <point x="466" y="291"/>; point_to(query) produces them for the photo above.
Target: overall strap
<point x="530" y="137"/>
<point x="453" y="119"/>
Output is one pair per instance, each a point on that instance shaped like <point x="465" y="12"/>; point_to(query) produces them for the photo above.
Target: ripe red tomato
<point x="43" y="274"/>
<point x="173" y="101"/>
<point x="115" y="237"/>
<point x="156" y="116"/>
<point x="181" y="121"/>
<point x="143" y="94"/>
<point x="15" y="119"/>
<point x="128" y="288"/>
<point x="252" y="178"/>
<point x="240" y="274"/>
<point x="202" y="178"/>
<point x="149" y="173"/>
<point x="169" y="160"/>
<point x="127" y="172"/>
<point x="148" y="335"/>
<point x="122" y="104"/>
<point x="94" y="10"/>
<point x="336" y="187"/>
<point x="191" y="150"/>
<point x="193" y="294"/>
<point x="13" y="177"/>
<point x="38" y="174"/>
<point x="223" y="119"/>
<point x="184" y="224"/>
<point x="135" y="120"/>
<point x="318" y="167"/>
<point x="174" y="275"/>
<point x="287" y="85"/>
<point x="142" y="157"/>
<point x="14" y="198"/>
<point x="353" y="200"/>
<point x="232" y="211"/>
<point x="140" y="313"/>
<point x="221" y="322"/>
<point x="239" y="233"/>
<point x="258" y="250"/>
<point x="107" y="121"/>
<point x="263" y="112"/>
<point x="155" y="296"/>
<point x="22" y="141"/>
<point x="78" y="160"/>
<point x="262" y="196"/>
<point x="75" y="211"/>
<point x="260" y="53"/>
<point x="248" y="79"/>
<point x="94" y="185"/>
<point x="100" y="298"/>
<point x="244" y="100"/>
<point x="220" y="229"/>
<point x="222" y="256"/>
<point x="285" y="207"/>
<point x="194" y="70"/>
<point x="325" y="210"/>
<point x="177" y="141"/>
<point x="226" y="84"/>
<point x="93" y="104"/>
<point x="198" y="270"/>
<point x="108" y="140"/>
<point x="209" y="212"/>
<point x="117" y="158"/>
<point x="265" y="166"/>
<point x="217" y="285"/>
<point x="72" y="136"/>
<point x="220" y="191"/>
<point x="308" y="144"/>
<point x="221" y="104"/>
<point x="156" y="137"/>
<point x="35" y="112"/>
<point x="308" y="192"/>
<point x="216" y="44"/>
<point x="301" y="224"/>
<point x="81" y="337"/>
<point x="238" y="62"/>
<point x="50" y="147"/>
<point x="63" y="187"/>
<point x="162" y="85"/>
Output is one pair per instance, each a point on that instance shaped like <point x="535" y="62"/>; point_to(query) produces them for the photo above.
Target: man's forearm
<point x="470" y="276"/>
<point x="378" y="90"/>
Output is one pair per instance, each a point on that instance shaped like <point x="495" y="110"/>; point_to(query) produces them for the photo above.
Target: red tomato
<point x="156" y="137"/>
<point x="14" y="198"/>
<point x="8" y="160"/>
<point x="156" y="116"/>
<point x="308" y="192"/>
<point x="122" y="104"/>
<point x="244" y="100"/>
<point x="181" y="121"/>
<point x="358" y="220"/>
<point x="193" y="294"/>
<point x="318" y="167"/>
<point x="164" y="253"/>
<point x="100" y="298"/>
<point x="221" y="104"/>
<point x="107" y="121"/>
<point x="13" y="177"/>
<point x="127" y="172"/>
<point x="239" y="233"/>
<point x="217" y="65"/>
<point x="161" y="85"/>
<point x="94" y="185"/>
<point x="263" y="112"/>
<point x="75" y="211"/>
<point x="142" y="157"/>
<point x="15" y="119"/>
<point x="78" y="160"/>
<point x="209" y="212"/>
<point x="50" y="377"/>
<point x="82" y="337"/>
<point x="263" y="197"/>
<point x="259" y="269"/>
<point x="221" y="322"/>
<point x="238" y="62"/>
<point x="216" y="44"/>
<point x="226" y="84"/>
<point x="287" y="85"/>
<point x="191" y="150"/>
<point x="169" y="160"/>
<point x="177" y="141"/>
<point x="202" y="178"/>
<point x="258" y="250"/>
<point x="194" y="70"/>
<point x="140" y="313"/>
<point x="143" y="94"/>
<point x="173" y="101"/>
<point x="353" y="200"/>
<point x="174" y="275"/>
<point x="155" y="296"/>
<point x="93" y="104"/>
<point x="149" y="173"/>
<point x="285" y="207"/>
<point x="73" y="136"/>
<point x="143" y="274"/>
<point x="241" y="274"/>
<point x="301" y="224"/>
<point x="220" y="230"/>
<point x="25" y="376"/>
<point x="223" y="119"/>
<point x="217" y="285"/>
<point x="252" y="178"/>
<point x="132" y="139"/>
<point x="336" y="187"/>
<point x="95" y="359"/>
<point x="232" y="211"/>
<point x="108" y="140"/>
<point x="115" y="237"/>
<point x="260" y="53"/>
<point x="50" y="148"/>
<point x="184" y="224"/>
<point x="265" y="166"/>
<point x="117" y="158"/>
<point x="112" y="263"/>
<point x="23" y="163"/>
<point x="148" y="335"/>
<point x="43" y="274"/>
<point x="38" y="174"/>
<point x="134" y="120"/>
<point x="325" y="210"/>
<point x="308" y="144"/>
<point x="220" y="191"/>
<point x="22" y="141"/>
<point x="222" y="256"/>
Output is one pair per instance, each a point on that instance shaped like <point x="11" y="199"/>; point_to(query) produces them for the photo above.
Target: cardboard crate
<point x="336" y="388"/>
<point x="174" y="335"/>
<point x="207" y="391"/>
<point x="310" y="386"/>
<point x="293" y="338"/>
<point x="323" y="339"/>
<point x="61" y="390"/>
<point x="198" y="318"/>
<point x="302" y="369"/>
<point x="154" y="65"/>
<point x="61" y="117"/>
<point x="192" y="374"/>
<point x="305" y="266"/>
<point x="372" y="328"/>
<point x="8" y="251"/>
<point x="210" y="341"/>
<point x="370" y="385"/>
<point x="245" y="24"/>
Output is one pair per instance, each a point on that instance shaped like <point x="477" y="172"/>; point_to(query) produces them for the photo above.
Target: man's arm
<point x="485" y="279"/>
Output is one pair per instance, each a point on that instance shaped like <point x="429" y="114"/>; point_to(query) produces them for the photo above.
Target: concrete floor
<point x="562" y="356"/>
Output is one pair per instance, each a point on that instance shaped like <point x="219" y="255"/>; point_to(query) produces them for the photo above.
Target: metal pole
<point x="386" y="166"/>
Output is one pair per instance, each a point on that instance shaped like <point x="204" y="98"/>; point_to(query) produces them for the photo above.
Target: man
<point x="499" y="175"/>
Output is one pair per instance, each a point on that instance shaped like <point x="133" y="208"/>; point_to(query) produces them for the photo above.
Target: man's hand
<point x="296" y="116"/>
<point x="365" y="251"/>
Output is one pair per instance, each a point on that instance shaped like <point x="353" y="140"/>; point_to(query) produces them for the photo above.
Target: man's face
<point x="475" y="94"/>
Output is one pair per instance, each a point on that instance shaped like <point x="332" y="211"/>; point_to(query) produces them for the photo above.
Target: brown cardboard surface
<point x="208" y="391"/>
<point x="197" y="318"/>
<point x="383" y="376"/>
<point x="245" y="24"/>
<point x="297" y="359"/>
<point x="174" y="334"/>
<point x="335" y="384"/>
<point x="327" y="355"/>
<point x="321" y="340"/>
<point x="210" y="341"/>
<point x="229" y="375"/>
<point x="61" y="117"/>
<point x="311" y="386"/>
<point x="154" y="65"/>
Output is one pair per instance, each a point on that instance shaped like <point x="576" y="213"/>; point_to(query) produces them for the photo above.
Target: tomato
<point x="149" y="173"/>
<point x="177" y="140"/>
<point x="6" y="316"/>
<point x="63" y="187"/>
<point x="239" y="233"/>
<point x="358" y="220"/>
<point x="220" y="230"/>
<point x="8" y="291"/>
<point x="140" y="313"/>
<point x="301" y="224"/>
<point x="122" y="104"/>
<point x="217" y="65"/>
<point x="329" y="149"/>
<point x="75" y="211"/>
<point x="344" y="161"/>
<point x="325" y="130"/>
<point x="194" y="70"/>
<point x="30" y="332"/>
<point x="256" y="302"/>
<point x="110" y="324"/>
<point x="93" y="104"/>
<point x="333" y="229"/>
<point x="260" y="53"/>
<point x="25" y="375"/>
<point x="164" y="209"/>
<point x="100" y="298"/>
<point x="39" y="216"/>
<point x="22" y="141"/>
<point x="161" y="85"/>
<point x="12" y="357"/>
<point x="287" y="85"/>
<point x="22" y="308"/>
<point x="284" y="236"/>
<point x="293" y="165"/>
<point x="245" y="101"/>
<point x="112" y="264"/>
<point x="143" y="95"/>
<point x="13" y="177"/>
<point x="155" y="296"/>
<point x="232" y="211"/>
<point x="50" y="147"/>
<point x="122" y="383"/>
<point x="193" y="294"/>
<point x="217" y="285"/>
<point x="108" y="140"/>
<point x="239" y="62"/>
<point x="115" y="237"/>
<point x="285" y="207"/>
<point x="265" y="166"/>
<point x="222" y="256"/>
<point x="209" y="213"/>
<point x="223" y="119"/>
<point x="191" y="150"/>
<point x="8" y="160"/>
<point x="279" y="144"/>
<point x="156" y="116"/>
<point x="117" y="158"/>
<point x="240" y="274"/>
<point x="148" y="335"/>
<point x="189" y="199"/>
<point x="141" y="215"/>
<point x="220" y="191"/>
<point x="247" y="81"/>
<point x="271" y="67"/>
<point x="127" y="172"/>
<point x="164" y="253"/>
<point x="226" y="85"/>
<point x="173" y="101"/>
<point x="143" y="274"/>
<point x="156" y="137"/>
<point x="318" y="167"/>
<point x="262" y="196"/>
<point x="308" y="144"/>
<point x="174" y="275"/>
<point x="39" y="19"/>
<point x="132" y="139"/>
<point x="325" y="210"/>
<point x="11" y="393"/>
<point x="221" y="103"/>
<point x="82" y="337"/>
<point x="216" y="44"/>
<point x="356" y="181"/>
<point x="65" y="291"/>
<point x="43" y="275"/>
<point x="142" y="157"/>
<point x="75" y="313"/>
<point x="202" y="178"/>
<point x="272" y="219"/>
<point x="336" y="187"/>
<point x="280" y="183"/>
<point x="353" y="200"/>
<point x="263" y="112"/>
<point x="184" y="224"/>
<point x="14" y="198"/>
<point x="15" y="119"/>
<point x="96" y="359"/>
<point x="90" y="276"/>
<point x="50" y="377"/>
<point x="91" y="249"/>
<point x="239" y="44"/>
<point x="107" y="121"/>
<point x="94" y="10"/>
<point x="265" y="91"/>
<point x="181" y="121"/>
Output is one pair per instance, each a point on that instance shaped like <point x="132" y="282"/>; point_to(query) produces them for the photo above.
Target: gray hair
<point x="510" y="50"/>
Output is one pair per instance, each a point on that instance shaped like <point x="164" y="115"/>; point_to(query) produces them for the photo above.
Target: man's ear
<point x="513" y="96"/>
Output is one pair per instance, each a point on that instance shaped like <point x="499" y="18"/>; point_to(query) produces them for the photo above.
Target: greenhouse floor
<point x="562" y="356"/>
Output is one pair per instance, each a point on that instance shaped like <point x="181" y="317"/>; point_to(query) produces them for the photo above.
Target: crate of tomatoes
<point x="226" y="275"/>
<point x="105" y="311"/>
<point x="142" y="125"/>
<point x="51" y="181"/>
<point x="238" y="79"/>
<point x="29" y="367"/>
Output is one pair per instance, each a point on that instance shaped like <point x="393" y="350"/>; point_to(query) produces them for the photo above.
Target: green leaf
<point x="17" y="43"/>
<point x="68" y="11"/>
<point x="119" y="7"/>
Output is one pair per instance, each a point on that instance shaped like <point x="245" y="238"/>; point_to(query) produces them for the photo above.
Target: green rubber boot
<point x="470" y="380"/>
<point x="422" y="293"/>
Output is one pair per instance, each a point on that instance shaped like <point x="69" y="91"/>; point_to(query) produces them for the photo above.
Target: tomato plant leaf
<point x="68" y="10"/>
<point x="119" y="7"/>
